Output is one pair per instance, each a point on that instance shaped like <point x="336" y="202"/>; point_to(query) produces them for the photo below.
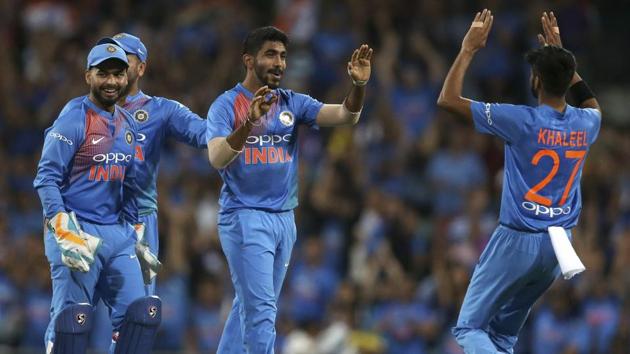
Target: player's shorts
<point x="514" y="270"/>
<point x="114" y="277"/>
<point x="258" y="246"/>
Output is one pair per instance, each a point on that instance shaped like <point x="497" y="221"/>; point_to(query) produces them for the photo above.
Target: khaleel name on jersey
<point x="544" y="156"/>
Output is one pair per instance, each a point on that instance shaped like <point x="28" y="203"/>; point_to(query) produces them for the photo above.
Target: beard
<point x="106" y="100"/>
<point x="265" y="76"/>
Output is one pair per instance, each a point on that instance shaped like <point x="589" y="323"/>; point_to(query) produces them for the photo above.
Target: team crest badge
<point x="111" y="49"/>
<point x="119" y="36"/>
<point x="128" y="137"/>
<point x="286" y="118"/>
<point x="141" y="115"/>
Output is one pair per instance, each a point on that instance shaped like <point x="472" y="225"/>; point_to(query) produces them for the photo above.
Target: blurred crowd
<point x="393" y="213"/>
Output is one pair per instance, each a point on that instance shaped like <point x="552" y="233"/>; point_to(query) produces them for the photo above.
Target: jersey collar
<point x="240" y="88"/>
<point x="136" y="97"/>
<point x="549" y="111"/>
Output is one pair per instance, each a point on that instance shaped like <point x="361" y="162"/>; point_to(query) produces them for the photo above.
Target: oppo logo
<point x="544" y="210"/>
<point x="60" y="137"/>
<point x="267" y="139"/>
<point x="115" y="157"/>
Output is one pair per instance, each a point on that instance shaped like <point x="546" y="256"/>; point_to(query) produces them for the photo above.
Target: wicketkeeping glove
<point x="78" y="248"/>
<point x="149" y="263"/>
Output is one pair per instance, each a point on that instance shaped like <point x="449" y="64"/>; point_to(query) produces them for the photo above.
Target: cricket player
<point x="157" y="119"/>
<point x="545" y="148"/>
<point x="87" y="186"/>
<point x="255" y="151"/>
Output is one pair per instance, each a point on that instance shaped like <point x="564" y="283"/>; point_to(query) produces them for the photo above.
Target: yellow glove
<point x="78" y="248"/>
<point x="149" y="263"/>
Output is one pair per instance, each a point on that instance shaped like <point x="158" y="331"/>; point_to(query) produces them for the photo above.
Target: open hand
<point x="551" y="31"/>
<point x="359" y="67"/>
<point x="261" y="103"/>
<point x="477" y="35"/>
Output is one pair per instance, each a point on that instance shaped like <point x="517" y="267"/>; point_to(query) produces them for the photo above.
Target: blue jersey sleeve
<point x="306" y="108"/>
<point x="186" y="126"/>
<point x="61" y="141"/>
<point x="131" y="189"/>
<point x="220" y="121"/>
<point x="503" y="120"/>
<point x="594" y="117"/>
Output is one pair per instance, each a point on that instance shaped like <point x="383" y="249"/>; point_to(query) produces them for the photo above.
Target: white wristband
<point x="358" y="83"/>
<point x="355" y="115"/>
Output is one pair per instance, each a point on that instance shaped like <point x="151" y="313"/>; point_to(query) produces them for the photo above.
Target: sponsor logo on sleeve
<point x="488" y="113"/>
<point x="60" y="137"/>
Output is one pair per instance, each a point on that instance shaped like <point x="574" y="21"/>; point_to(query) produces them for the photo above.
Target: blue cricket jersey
<point x="544" y="156"/>
<point x="264" y="176"/>
<point x="157" y="118"/>
<point x="87" y="164"/>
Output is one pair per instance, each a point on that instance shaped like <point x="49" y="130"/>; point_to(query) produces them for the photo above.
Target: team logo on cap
<point x="286" y="118"/>
<point x="111" y="49"/>
<point x="118" y="36"/>
<point x="81" y="318"/>
<point x="141" y="115"/>
<point x="128" y="137"/>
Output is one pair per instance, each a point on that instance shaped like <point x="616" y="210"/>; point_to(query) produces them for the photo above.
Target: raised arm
<point x="348" y="112"/>
<point x="451" y="95"/>
<point x="579" y="90"/>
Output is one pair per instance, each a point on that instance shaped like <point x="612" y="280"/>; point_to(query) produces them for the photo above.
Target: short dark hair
<point x="256" y="38"/>
<point x="554" y="66"/>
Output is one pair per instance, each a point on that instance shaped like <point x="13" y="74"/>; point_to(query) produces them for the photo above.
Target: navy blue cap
<point x="102" y="52"/>
<point x="130" y="44"/>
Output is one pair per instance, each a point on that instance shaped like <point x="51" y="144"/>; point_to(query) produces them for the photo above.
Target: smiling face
<point x="107" y="82"/>
<point x="269" y="63"/>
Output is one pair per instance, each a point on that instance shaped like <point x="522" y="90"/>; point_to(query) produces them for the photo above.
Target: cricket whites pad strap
<point x="140" y="326"/>
<point x="72" y="329"/>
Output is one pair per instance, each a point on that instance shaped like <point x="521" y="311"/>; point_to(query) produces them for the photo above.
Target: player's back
<point x="544" y="156"/>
